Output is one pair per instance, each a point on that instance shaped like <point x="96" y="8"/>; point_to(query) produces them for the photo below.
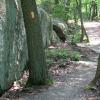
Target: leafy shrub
<point x="63" y="54"/>
<point x="60" y="12"/>
<point x="74" y="34"/>
<point x="76" y="38"/>
<point x="75" y="56"/>
<point x="49" y="61"/>
<point x="59" y="53"/>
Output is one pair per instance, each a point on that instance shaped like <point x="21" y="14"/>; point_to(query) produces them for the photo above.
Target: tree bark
<point x="97" y="75"/>
<point x="79" y="6"/>
<point x="93" y="10"/>
<point x="38" y="73"/>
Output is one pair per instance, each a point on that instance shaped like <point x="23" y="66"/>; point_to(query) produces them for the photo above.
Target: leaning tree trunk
<point x="37" y="66"/>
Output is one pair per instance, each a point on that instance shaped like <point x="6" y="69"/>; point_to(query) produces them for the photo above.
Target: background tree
<point x="38" y="73"/>
<point x="79" y="8"/>
<point x="93" y="10"/>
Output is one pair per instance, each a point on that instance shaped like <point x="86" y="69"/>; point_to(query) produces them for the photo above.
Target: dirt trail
<point x="71" y="86"/>
<point x="93" y="32"/>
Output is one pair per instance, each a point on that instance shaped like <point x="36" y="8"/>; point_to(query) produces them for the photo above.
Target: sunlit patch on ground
<point x="93" y="31"/>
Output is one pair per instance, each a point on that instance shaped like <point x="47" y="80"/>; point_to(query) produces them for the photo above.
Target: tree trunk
<point x="38" y="73"/>
<point x="75" y="13"/>
<point x="79" y="6"/>
<point x="93" y="10"/>
<point x="97" y="75"/>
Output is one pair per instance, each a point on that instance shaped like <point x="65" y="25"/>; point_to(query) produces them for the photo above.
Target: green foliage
<point x="38" y="2"/>
<point x="76" y="38"/>
<point x="49" y="81"/>
<point x="74" y="34"/>
<point x="75" y="56"/>
<point x="60" y="11"/>
<point x="68" y="10"/>
<point x="64" y="11"/>
<point x="59" y="53"/>
<point x="90" y="87"/>
<point x="47" y="5"/>
<point x="49" y="61"/>
<point x="63" y="54"/>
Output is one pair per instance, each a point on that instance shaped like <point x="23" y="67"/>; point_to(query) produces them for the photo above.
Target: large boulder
<point x="60" y="28"/>
<point x="46" y="26"/>
<point x="61" y="24"/>
<point x="13" y="48"/>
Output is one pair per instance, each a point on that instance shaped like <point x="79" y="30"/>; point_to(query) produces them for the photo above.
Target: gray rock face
<point x="61" y="24"/>
<point x="13" y="48"/>
<point x="46" y="26"/>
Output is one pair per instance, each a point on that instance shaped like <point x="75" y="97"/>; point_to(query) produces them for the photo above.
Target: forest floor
<point x="70" y="81"/>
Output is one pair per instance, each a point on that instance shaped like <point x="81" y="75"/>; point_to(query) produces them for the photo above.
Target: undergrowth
<point x="64" y="54"/>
